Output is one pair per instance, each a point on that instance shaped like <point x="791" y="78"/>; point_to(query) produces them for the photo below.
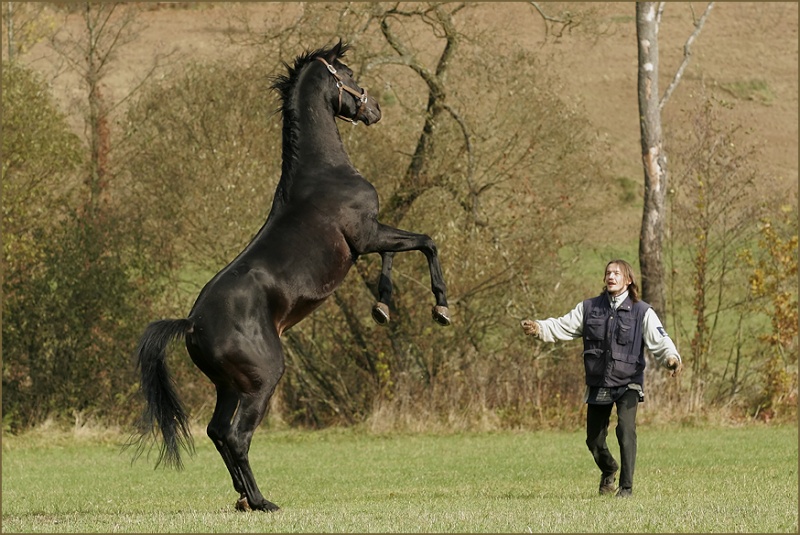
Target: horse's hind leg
<point x="250" y="413"/>
<point x="380" y="311"/>
<point x="258" y="373"/>
<point x="219" y="428"/>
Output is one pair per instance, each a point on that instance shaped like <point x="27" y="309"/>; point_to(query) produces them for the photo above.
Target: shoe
<point x="624" y="492"/>
<point x="607" y="483"/>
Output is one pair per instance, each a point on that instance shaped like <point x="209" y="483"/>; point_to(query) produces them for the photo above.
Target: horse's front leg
<point x="380" y="311"/>
<point x="440" y="312"/>
<point x="390" y="240"/>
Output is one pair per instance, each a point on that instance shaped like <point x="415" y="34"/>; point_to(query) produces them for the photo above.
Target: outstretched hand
<point x="674" y="363"/>
<point x="530" y="327"/>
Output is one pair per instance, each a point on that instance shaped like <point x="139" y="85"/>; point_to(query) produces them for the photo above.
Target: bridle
<point x="361" y="97"/>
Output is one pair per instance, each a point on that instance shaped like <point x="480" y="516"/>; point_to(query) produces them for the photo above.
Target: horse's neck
<point x="321" y="144"/>
<point x="311" y="141"/>
<point x="311" y="137"/>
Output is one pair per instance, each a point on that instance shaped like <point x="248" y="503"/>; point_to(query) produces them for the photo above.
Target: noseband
<point x="361" y="97"/>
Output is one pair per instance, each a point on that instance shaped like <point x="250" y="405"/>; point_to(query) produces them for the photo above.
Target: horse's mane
<point x="284" y="83"/>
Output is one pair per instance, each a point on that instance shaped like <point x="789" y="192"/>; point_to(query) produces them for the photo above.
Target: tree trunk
<point x="10" y="31"/>
<point x="654" y="160"/>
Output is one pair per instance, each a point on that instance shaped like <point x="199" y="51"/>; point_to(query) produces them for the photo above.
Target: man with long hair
<point x="616" y="327"/>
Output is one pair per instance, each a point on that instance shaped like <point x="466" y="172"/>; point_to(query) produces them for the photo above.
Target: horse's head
<point x="351" y="102"/>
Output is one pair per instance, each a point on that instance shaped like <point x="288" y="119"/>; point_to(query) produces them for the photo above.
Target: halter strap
<point x="361" y="97"/>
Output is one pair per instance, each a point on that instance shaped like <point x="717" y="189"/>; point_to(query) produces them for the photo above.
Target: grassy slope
<point x="688" y="480"/>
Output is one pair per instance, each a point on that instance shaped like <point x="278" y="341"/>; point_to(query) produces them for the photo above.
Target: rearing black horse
<point x="323" y="217"/>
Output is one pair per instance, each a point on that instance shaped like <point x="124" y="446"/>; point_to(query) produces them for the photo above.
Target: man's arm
<point x="567" y="327"/>
<point x="660" y="344"/>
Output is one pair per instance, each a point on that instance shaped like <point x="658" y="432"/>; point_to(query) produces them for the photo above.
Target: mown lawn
<point x="687" y="480"/>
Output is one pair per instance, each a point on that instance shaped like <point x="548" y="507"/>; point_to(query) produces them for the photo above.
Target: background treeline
<point x="106" y="231"/>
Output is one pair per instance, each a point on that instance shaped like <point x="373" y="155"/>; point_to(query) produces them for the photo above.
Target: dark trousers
<point x="597" y="420"/>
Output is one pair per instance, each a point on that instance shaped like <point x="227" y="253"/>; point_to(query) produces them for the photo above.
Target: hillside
<point x="747" y="54"/>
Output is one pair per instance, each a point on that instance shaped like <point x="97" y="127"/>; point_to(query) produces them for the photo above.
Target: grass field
<point x="687" y="480"/>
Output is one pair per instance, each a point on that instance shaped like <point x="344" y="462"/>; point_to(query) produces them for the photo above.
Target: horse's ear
<point x="338" y="51"/>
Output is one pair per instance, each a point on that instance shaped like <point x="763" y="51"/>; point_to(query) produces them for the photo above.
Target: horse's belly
<point x="314" y="278"/>
<point x="298" y="312"/>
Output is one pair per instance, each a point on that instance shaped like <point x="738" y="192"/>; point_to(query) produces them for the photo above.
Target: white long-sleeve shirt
<point x="570" y="327"/>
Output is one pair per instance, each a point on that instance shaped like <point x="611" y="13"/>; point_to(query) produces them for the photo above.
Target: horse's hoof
<point x="268" y="506"/>
<point x="380" y="313"/>
<point x="242" y="504"/>
<point x="441" y="315"/>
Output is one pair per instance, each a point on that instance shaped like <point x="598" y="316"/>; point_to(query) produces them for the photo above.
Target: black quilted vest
<point x="613" y="345"/>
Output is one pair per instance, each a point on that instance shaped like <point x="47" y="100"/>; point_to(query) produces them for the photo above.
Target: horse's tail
<point x="163" y="409"/>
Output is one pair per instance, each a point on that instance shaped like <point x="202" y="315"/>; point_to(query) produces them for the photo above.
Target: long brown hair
<point x="627" y="271"/>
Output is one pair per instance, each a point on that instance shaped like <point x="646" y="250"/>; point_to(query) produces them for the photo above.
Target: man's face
<point x="616" y="282"/>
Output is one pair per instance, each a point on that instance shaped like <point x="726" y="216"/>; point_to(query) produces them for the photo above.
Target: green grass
<point x="754" y="89"/>
<point x="687" y="480"/>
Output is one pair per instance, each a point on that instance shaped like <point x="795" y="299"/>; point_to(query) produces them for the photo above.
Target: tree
<point x="90" y="53"/>
<point x="25" y="24"/>
<point x="712" y="205"/>
<point x="81" y="271"/>
<point x="654" y="158"/>
<point x="71" y="301"/>
<point x="773" y="287"/>
<point x="39" y="156"/>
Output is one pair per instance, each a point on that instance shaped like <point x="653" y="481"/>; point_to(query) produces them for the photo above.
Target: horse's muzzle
<point x="371" y="112"/>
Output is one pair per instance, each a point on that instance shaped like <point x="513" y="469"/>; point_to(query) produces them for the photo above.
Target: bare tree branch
<point x="566" y="22"/>
<point x="544" y="15"/>
<point x="687" y="52"/>
<point x="408" y="57"/>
